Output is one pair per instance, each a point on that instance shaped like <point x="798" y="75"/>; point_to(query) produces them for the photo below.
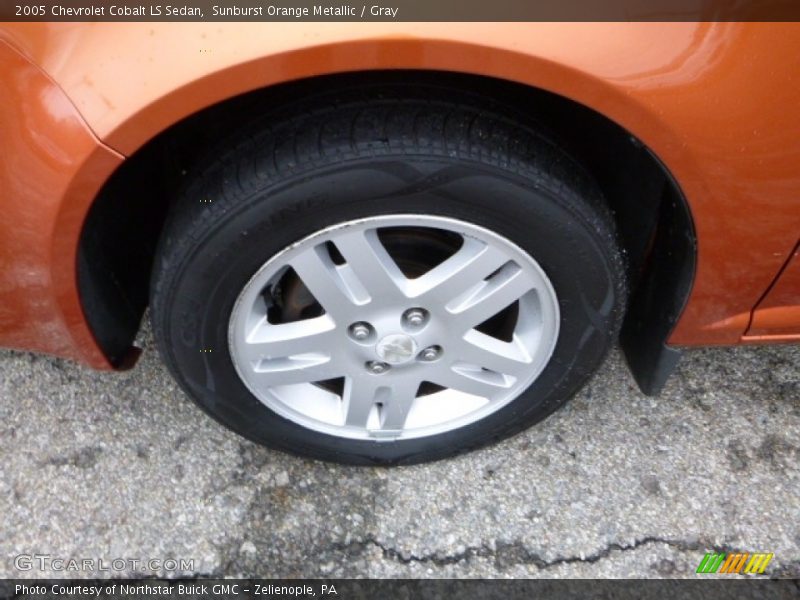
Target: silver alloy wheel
<point x="386" y="336"/>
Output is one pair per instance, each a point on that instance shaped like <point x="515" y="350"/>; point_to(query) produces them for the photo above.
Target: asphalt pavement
<point x="105" y="466"/>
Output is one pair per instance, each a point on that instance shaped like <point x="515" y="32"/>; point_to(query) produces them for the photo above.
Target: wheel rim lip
<point x="279" y="261"/>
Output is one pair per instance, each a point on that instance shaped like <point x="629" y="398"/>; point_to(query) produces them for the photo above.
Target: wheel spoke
<point x="397" y="403"/>
<point x="370" y="262"/>
<point x="331" y="285"/>
<point x="358" y="399"/>
<point x="268" y="340"/>
<point x="487" y="299"/>
<point x="393" y="401"/>
<point x="292" y="352"/>
<point x="462" y="271"/>
<point x="300" y="368"/>
<point x="470" y="379"/>
<point x="481" y="350"/>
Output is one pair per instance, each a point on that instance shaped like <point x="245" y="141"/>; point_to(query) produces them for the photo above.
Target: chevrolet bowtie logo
<point x="396" y="348"/>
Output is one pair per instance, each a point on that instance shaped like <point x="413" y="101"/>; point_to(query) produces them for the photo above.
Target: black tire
<point x="370" y="152"/>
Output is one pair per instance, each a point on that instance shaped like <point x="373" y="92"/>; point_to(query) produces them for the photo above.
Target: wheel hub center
<point x="396" y="348"/>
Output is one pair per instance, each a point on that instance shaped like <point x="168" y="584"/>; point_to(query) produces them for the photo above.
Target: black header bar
<point x="400" y="10"/>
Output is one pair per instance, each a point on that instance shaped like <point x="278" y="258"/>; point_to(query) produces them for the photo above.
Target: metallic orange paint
<point x="777" y="316"/>
<point x="716" y="102"/>
<point x="51" y="168"/>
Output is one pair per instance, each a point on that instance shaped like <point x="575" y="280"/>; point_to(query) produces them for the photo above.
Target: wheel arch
<point x="117" y="243"/>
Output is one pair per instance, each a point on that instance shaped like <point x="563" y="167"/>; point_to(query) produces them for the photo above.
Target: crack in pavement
<point x="507" y="554"/>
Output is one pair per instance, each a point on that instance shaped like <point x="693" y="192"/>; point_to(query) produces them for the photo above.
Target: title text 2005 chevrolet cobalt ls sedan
<point x="376" y="244"/>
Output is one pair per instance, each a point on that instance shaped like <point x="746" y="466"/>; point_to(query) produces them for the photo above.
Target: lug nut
<point x="377" y="368"/>
<point x="415" y="317"/>
<point x="360" y="331"/>
<point x="430" y="353"/>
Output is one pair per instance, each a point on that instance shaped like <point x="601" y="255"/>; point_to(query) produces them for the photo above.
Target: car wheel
<point x="387" y="277"/>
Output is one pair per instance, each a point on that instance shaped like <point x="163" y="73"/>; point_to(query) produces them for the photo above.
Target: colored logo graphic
<point x="735" y="562"/>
